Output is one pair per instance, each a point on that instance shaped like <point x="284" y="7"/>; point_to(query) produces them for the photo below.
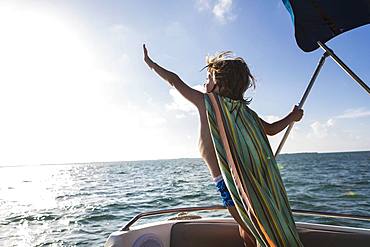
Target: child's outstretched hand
<point x="147" y="59"/>
<point x="296" y="114"/>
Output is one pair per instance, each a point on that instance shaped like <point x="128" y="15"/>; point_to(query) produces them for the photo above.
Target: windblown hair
<point x="232" y="74"/>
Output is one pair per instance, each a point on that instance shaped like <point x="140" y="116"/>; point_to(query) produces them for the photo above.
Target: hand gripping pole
<point x="304" y="97"/>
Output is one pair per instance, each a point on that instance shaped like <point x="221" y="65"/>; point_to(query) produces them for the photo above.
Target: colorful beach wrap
<point x="250" y="171"/>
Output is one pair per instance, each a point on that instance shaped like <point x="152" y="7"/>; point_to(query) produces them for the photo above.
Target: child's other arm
<point x="276" y="127"/>
<point x="189" y="93"/>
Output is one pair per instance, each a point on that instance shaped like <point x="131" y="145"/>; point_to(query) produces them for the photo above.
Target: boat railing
<point x="212" y="208"/>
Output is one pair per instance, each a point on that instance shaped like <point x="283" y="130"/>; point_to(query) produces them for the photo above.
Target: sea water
<point x="81" y="204"/>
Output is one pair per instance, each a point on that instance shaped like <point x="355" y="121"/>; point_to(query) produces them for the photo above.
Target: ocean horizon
<point x="155" y="159"/>
<point x="80" y="204"/>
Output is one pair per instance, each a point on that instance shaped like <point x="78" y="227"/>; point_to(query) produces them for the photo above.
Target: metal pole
<point x="304" y="97"/>
<point x="344" y="66"/>
<point x="209" y="208"/>
<point x="166" y="211"/>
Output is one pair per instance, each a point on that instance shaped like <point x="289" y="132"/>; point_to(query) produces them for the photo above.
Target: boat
<point x="316" y="22"/>
<point x="192" y="230"/>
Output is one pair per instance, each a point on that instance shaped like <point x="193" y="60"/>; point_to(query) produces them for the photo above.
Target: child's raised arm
<point x="194" y="96"/>
<point x="276" y="127"/>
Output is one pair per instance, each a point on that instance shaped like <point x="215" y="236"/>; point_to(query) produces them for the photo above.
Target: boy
<point x="227" y="80"/>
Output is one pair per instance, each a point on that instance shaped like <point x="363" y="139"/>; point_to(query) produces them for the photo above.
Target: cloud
<point x="355" y="113"/>
<point x="221" y="9"/>
<point x="179" y="103"/>
<point x="203" y="5"/>
<point x="321" y="130"/>
<point x="271" y="118"/>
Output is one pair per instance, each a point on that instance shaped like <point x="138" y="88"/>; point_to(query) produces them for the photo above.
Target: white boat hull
<point x="221" y="232"/>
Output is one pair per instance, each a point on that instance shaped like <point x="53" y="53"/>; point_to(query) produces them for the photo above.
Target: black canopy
<point x="322" y="20"/>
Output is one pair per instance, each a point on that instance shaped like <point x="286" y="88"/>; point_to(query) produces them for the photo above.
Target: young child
<point x="227" y="80"/>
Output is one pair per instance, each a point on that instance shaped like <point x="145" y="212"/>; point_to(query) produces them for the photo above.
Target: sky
<point x="74" y="87"/>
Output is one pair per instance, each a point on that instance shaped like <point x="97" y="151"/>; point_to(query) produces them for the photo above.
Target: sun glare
<point x="46" y="66"/>
<point x="54" y="101"/>
<point x="36" y="47"/>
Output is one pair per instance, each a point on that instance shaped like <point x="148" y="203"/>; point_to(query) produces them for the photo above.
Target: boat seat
<point x="216" y="234"/>
<point x="185" y="234"/>
<point x="338" y="237"/>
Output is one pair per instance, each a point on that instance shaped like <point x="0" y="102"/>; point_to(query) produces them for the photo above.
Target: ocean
<point x="81" y="204"/>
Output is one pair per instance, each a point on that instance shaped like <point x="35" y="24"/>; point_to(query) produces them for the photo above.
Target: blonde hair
<point x="232" y="74"/>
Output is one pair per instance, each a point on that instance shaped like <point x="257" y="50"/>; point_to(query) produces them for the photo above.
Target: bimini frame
<point x="328" y="52"/>
<point x="212" y="208"/>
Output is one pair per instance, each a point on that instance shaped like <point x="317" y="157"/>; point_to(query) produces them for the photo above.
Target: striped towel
<point x="250" y="171"/>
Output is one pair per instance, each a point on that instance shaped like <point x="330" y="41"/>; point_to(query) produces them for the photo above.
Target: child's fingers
<point x="145" y="50"/>
<point x="298" y="113"/>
